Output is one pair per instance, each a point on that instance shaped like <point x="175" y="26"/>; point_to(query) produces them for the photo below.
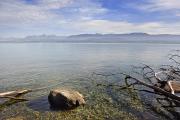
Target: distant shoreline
<point x="1" y="42"/>
<point x="98" y="38"/>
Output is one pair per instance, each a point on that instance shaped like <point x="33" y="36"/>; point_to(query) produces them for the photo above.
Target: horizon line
<point x="58" y="35"/>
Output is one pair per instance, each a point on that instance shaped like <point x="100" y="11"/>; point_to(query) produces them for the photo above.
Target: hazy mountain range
<point x="100" y="38"/>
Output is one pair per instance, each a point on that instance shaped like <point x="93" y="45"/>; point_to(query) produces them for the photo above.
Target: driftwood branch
<point x="163" y="92"/>
<point x="14" y="98"/>
<point x="14" y="94"/>
<point x="141" y="82"/>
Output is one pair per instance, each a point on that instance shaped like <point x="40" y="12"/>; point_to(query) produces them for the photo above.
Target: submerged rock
<point x="65" y="99"/>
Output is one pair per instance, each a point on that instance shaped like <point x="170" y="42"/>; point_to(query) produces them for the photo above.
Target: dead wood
<point x="14" y="93"/>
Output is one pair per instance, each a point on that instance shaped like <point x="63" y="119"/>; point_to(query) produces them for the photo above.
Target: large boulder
<point x="65" y="99"/>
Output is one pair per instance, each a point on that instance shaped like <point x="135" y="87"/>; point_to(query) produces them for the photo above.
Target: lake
<point x="53" y="65"/>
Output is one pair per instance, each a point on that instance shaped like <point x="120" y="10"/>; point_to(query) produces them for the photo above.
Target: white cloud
<point x="47" y="16"/>
<point x="92" y="11"/>
<point x="44" y="16"/>
<point x="106" y="26"/>
<point x="18" y="12"/>
<point x="13" y="12"/>
<point x="54" y="4"/>
<point x="160" y="5"/>
<point x="167" y="4"/>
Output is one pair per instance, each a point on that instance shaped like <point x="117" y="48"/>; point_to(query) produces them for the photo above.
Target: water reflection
<point x="39" y="104"/>
<point x="36" y="65"/>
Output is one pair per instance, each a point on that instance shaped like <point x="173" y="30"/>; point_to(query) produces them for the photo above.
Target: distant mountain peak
<point x="136" y="33"/>
<point x="86" y="35"/>
<point x="136" y="37"/>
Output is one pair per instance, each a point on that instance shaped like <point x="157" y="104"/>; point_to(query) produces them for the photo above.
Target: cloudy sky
<point x="66" y="17"/>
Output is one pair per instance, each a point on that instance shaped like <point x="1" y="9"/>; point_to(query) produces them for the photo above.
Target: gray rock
<point x="65" y="99"/>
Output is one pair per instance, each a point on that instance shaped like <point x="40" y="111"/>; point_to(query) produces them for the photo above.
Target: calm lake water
<point x="34" y="65"/>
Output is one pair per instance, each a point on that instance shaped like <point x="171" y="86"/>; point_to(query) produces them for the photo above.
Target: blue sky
<point x="19" y="18"/>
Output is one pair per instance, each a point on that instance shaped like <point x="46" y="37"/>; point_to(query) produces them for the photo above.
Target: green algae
<point x="99" y="106"/>
<point x="102" y="103"/>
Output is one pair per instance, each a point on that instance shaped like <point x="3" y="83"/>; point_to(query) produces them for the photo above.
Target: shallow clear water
<point x="33" y="65"/>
